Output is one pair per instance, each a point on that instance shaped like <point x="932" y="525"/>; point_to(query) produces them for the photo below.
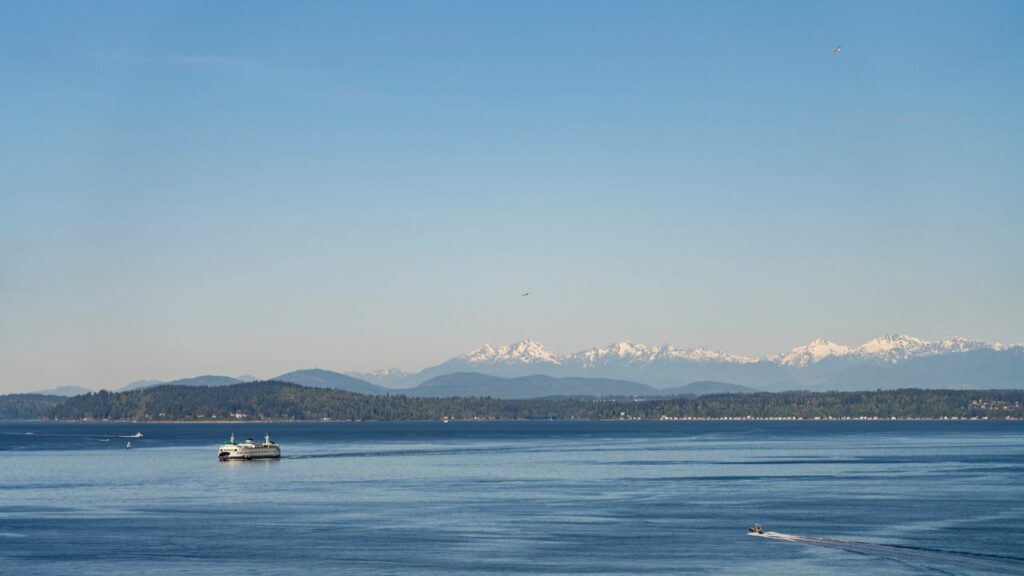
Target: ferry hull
<point x="252" y="454"/>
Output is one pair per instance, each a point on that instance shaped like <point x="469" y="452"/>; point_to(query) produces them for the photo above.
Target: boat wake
<point x="400" y="452"/>
<point x="948" y="561"/>
<point x="100" y="437"/>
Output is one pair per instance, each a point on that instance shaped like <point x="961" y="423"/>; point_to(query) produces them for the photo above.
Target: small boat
<point x="755" y="529"/>
<point x="248" y="450"/>
<point x="136" y="435"/>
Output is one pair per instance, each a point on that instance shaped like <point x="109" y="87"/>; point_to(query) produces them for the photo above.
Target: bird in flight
<point x="835" y="51"/>
<point x="525" y="294"/>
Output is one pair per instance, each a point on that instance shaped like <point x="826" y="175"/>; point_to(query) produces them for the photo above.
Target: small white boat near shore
<point x="248" y="450"/>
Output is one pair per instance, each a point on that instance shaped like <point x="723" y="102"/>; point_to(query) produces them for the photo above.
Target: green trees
<point x="285" y="401"/>
<point x="27" y="406"/>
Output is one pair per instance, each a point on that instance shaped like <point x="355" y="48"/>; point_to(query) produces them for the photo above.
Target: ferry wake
<point x="917" y="555"/>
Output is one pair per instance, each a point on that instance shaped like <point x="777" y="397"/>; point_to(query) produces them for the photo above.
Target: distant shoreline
<point x="286" y="402"/>
<point x="484" y="420"/>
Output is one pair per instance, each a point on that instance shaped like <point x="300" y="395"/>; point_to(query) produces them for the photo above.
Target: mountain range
<point x="206" y="380"/>
<point x="535" y="386"/>
<point x="626" y="368"/>
<point x="66" y="391"/>
<point x="314" y="377"/>
<point x="457" y="384"/>
<point x="894" y="360"/>
<point x="540" y="386"/>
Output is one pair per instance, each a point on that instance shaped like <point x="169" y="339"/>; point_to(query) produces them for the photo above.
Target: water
<point x="515" y="498"/>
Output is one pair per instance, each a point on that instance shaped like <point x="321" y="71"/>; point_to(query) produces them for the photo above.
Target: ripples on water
<point x="515" y="498"/>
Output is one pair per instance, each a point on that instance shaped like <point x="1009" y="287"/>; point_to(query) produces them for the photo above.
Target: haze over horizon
<point x="886" y="349"/>
<point x="190" y="188"/>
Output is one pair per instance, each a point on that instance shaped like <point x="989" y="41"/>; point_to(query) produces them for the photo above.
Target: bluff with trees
<point x="28" y="406"/>
<point x="285" y="401"/>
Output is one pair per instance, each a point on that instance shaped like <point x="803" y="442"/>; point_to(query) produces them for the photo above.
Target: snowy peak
<point x="702" y="354"/>
<point x="893" y="348"/>
<point x="384" y="377"/>
<point x="524" y="352"/>
<point x="958" y="344"/>
<point x="626" y="352"/>
<point x="385" y="373"/>
<point x="627" y="349"/>
<point x="816" y="351"/>
<point x="888" y="349"/>
<point x="617" y="353"/>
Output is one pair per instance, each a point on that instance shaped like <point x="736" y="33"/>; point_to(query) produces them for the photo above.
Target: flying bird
<point x="835" y="51"/>
<point x="525" y="294"/>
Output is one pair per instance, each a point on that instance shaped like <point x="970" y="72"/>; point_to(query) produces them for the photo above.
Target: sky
<point x="257" y="187"/>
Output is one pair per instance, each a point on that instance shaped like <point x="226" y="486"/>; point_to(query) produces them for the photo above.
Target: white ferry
<point x="248" y="450"/>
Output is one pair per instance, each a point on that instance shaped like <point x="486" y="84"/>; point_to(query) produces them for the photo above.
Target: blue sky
<point x="255" y="187"/>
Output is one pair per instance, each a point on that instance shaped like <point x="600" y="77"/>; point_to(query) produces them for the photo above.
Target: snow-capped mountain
<point x="893" y="348"/>
<point x="891" y="361"/>
<point x="626" y="352"/>
<point x="389" y="377"/>
<point x="958" y="344"/>
<point x="816" y="351"/>
<point x="817" y="365"/>
<point x="660" y="366"/>
<point x="389" y="373"/>
<point x="890" y="348"/>
<point x="616" y="353"/>
<point x="524" y="352"/>
<point x="702" y="354"/>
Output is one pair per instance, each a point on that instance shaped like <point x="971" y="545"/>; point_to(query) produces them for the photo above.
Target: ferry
<point x="248" y="450"/>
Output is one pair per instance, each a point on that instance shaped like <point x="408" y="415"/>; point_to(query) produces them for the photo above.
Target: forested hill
<point x="274" y="400"/>
<point x="285" y="401"/>
<point x="28" y="406"/>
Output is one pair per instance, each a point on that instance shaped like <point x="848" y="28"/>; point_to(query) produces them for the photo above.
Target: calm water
<point x="516" y="498"/>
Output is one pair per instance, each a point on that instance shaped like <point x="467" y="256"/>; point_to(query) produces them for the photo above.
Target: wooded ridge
<point x="271" y="400"/>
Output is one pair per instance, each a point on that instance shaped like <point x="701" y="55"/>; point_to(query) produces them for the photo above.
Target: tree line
<point x="285" y="401"/>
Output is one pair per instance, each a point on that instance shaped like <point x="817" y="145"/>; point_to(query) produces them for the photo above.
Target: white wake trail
<point x="936" y="558"/>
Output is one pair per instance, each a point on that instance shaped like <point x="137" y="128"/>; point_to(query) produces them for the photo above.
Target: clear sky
<point x="256" y="187"/>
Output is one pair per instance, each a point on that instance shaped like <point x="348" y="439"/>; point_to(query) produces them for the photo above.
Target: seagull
<point x="525" y="294"/>
<point x="835" y="51"/>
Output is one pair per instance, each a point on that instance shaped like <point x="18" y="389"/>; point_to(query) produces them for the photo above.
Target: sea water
<point x="479" y="498"/>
